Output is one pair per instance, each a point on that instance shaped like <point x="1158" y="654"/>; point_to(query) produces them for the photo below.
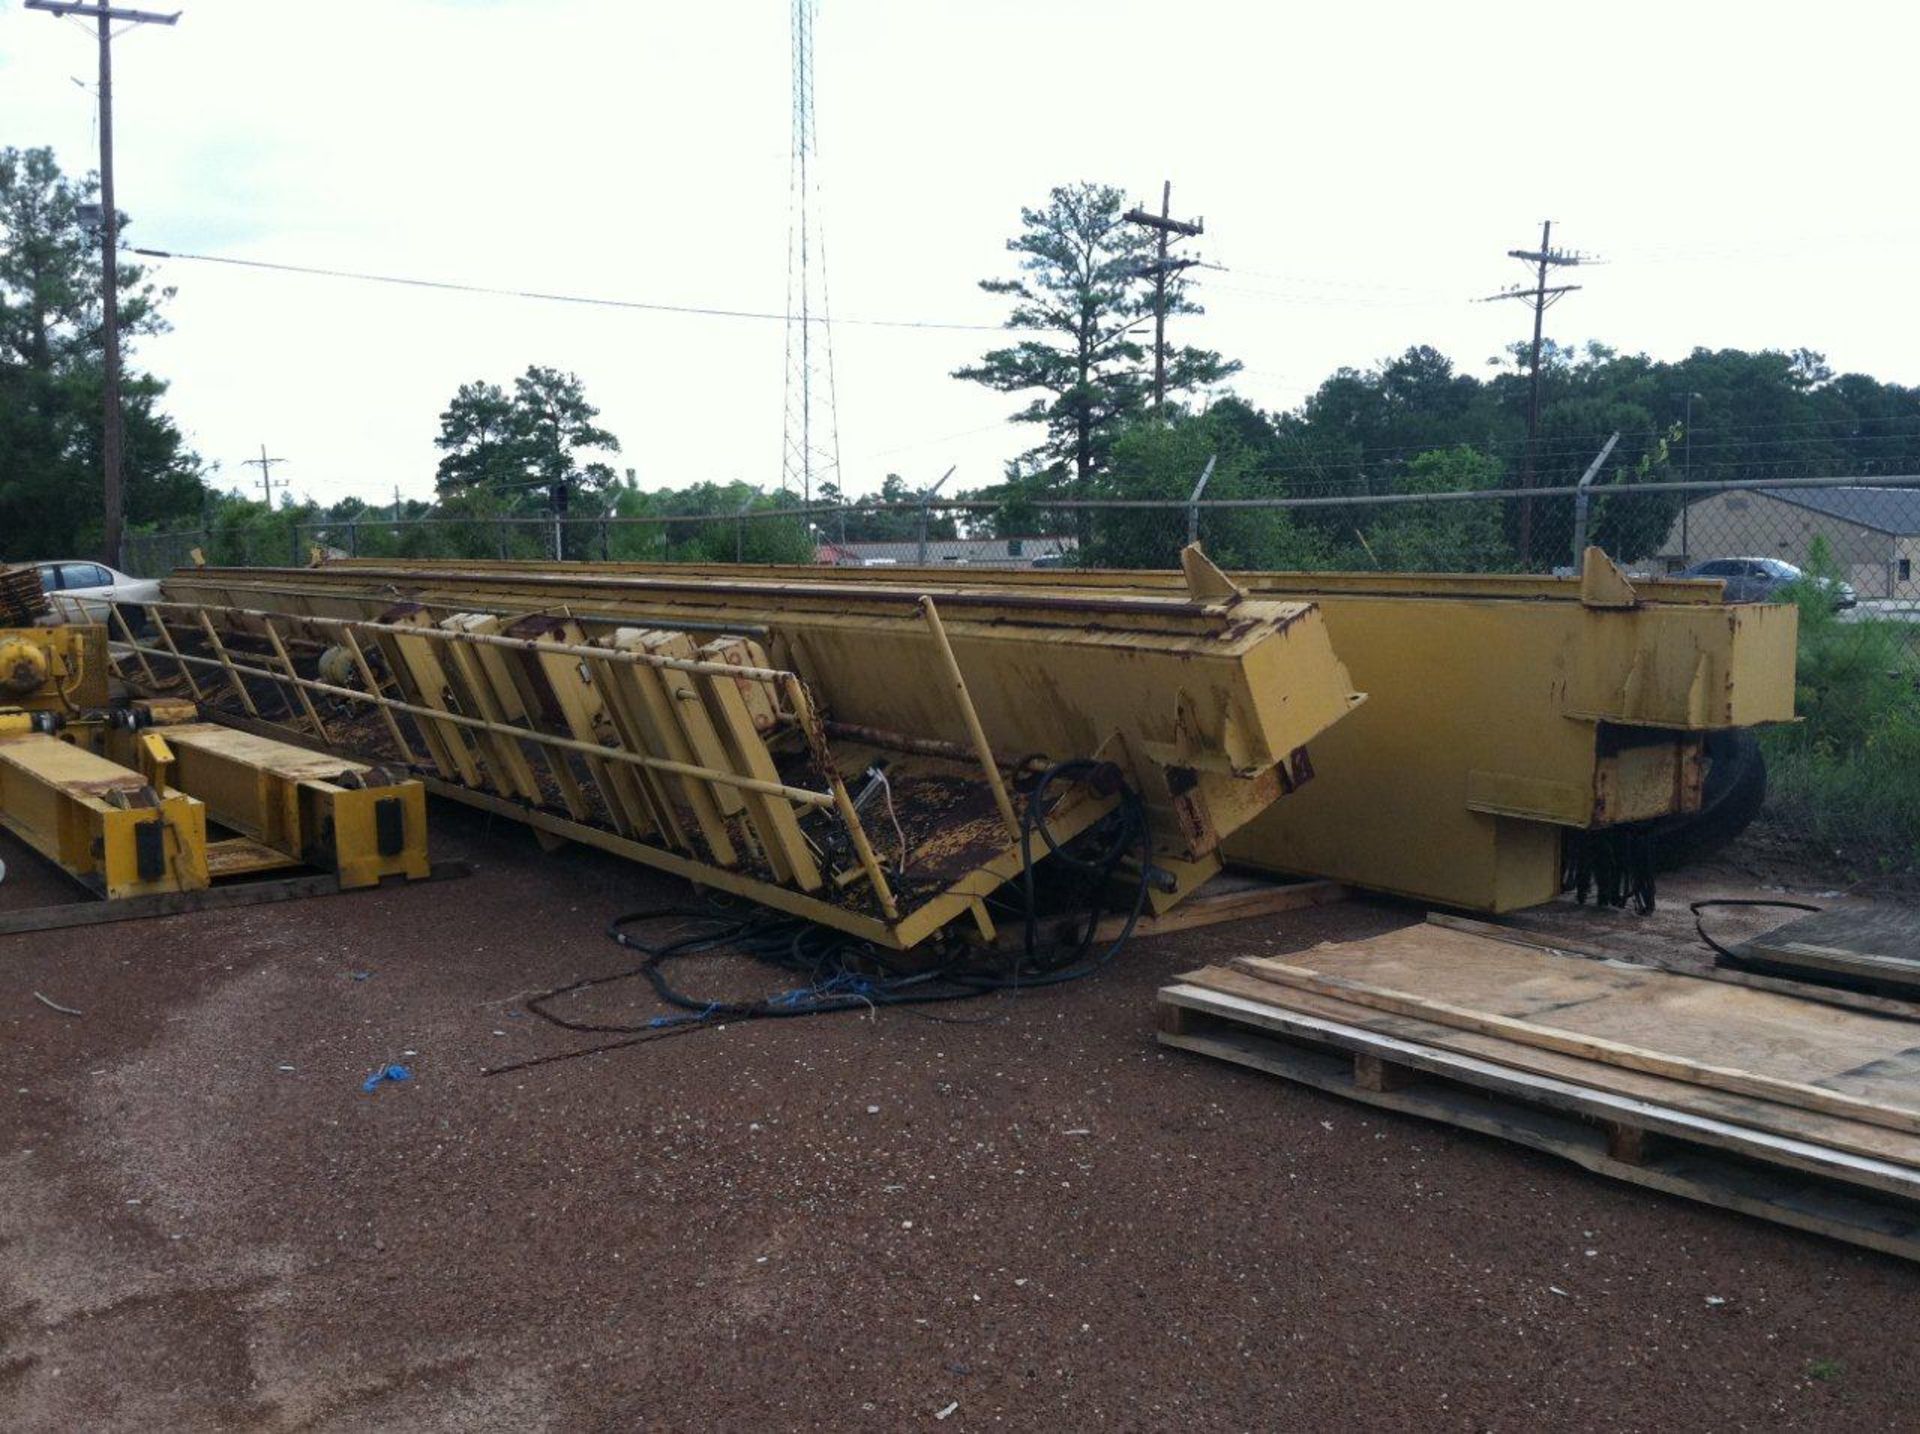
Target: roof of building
<point x="1886" y="510"/>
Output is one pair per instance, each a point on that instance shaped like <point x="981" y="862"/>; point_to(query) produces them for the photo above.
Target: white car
<point x="90" y="587"/>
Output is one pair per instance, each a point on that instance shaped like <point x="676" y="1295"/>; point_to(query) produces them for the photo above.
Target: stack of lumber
<point x="1796" y="1111"/>
<point x="1873" y="949"/>
<point x="21" y="599"/>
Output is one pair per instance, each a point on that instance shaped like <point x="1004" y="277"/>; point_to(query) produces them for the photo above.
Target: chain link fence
<point x="1844" y="782"/>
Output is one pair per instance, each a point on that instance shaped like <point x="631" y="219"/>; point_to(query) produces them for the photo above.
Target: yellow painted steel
<point x="733" y="689"/>
<point x="1502" y="710"/>
<point x="103" y="823"/>
<point x="316" y="809"/>
<point x="54" y="669"/>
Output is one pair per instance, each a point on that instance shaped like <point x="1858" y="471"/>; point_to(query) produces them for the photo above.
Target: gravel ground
<point x="1042" y="1221"/>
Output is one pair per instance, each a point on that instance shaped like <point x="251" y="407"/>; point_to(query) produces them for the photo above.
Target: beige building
<point x="1873" y="533"/>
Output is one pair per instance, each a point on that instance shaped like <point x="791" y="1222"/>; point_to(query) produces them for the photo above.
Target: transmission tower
<point x="1539" y="296"/>
<point x="810" y="450"/>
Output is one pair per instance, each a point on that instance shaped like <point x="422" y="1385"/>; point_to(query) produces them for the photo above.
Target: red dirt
<point x="833" y="1223"/>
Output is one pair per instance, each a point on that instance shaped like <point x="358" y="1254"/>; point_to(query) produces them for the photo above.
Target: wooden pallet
<point x="1832" y="1154"/>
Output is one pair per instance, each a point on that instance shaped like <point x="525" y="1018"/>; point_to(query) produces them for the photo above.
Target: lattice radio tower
<point x="810" y="451"/>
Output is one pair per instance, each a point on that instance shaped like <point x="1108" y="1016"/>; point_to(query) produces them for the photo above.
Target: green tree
<point x="1082" y="290"/>
<point x="484" y="441"/>
<point x="524" y="447"/>
<point x="1443" y="537"/>
<point x="559" y="424"/>
<point x="51" y="487"/>
<point x="1163" y="460"/>
<point x="517" y="454"/>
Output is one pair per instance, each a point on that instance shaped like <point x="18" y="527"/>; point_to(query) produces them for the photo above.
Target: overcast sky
<point x="1745" y="169"/>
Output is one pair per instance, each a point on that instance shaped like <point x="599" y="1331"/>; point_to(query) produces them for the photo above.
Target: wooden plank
<point x="242" y="856"/>
<point x="1769" y="1119"/>
<point x="1704" y="1023"/>
<point x="218" y="898"/>
<point x="1887" y="935"/>
<point x="1695" y="1172"/>
<point x="1587" y="1047"/>
<point x="1565" y="1089"/>
<point x="1803" y="990"/>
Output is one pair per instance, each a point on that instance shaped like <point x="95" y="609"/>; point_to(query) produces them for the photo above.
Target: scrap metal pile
<point x="879" y="761"/>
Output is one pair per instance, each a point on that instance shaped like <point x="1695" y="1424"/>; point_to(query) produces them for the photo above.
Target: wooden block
<point x="1370" y="1072"/>
<point x="1625" y="1143"/>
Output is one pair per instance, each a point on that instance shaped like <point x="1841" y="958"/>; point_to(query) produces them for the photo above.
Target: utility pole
<point x="104" y="15"/>
<point x="265" y="465"/>
<point x="1166" y="229"/>
<point x="1540" y="296"/>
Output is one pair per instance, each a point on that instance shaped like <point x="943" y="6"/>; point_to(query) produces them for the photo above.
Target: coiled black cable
<point x="836" y="972"/>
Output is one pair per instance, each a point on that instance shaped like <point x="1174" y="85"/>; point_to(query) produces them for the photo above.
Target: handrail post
<point x="974" y="729"/>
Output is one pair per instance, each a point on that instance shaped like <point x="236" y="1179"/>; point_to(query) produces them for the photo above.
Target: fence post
<point x="1580" y="502"/>
<point x="298" y="529"/>
<point x="1193" y="500"/>
<point x="740" y="531"/>
<point x="606" y="541"/>
<point x="926" y="502"/>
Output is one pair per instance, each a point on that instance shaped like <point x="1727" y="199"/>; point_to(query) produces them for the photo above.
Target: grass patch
<point x="1846" y="779"/>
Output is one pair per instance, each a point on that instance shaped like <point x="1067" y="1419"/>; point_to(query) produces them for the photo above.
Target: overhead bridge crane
<point x="877" y="760"/>
<point x="1508" y="717"/>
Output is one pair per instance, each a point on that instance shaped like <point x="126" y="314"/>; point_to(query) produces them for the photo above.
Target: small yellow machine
<point x="53" y="669"/>
<point x="123" y="797"/>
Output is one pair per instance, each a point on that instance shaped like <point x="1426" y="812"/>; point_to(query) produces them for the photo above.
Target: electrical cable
<point x="838" y="973"/>
<point x="451" y="286"/>
<point x="1700" y="925"/>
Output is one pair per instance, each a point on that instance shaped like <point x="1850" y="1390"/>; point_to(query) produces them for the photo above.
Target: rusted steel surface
<point x="733" y="757"/>
<point x="1489" y="696"/>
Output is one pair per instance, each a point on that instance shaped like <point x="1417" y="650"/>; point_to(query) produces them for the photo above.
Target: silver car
<point x="1764" y="579"/>
<point x="83" y="589"/>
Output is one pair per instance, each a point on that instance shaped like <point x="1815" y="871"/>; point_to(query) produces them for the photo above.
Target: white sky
<point x="1744" y="168"/>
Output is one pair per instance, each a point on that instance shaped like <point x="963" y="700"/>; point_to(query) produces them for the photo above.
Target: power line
<point x="451" y="286"/>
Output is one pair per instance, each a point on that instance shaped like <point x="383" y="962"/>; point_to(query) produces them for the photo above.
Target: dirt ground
<point x="1039" y="1220"/>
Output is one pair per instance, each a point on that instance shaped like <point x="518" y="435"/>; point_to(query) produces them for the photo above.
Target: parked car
<point x="1764" y="579"/>
<point x="91" y="586"/>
